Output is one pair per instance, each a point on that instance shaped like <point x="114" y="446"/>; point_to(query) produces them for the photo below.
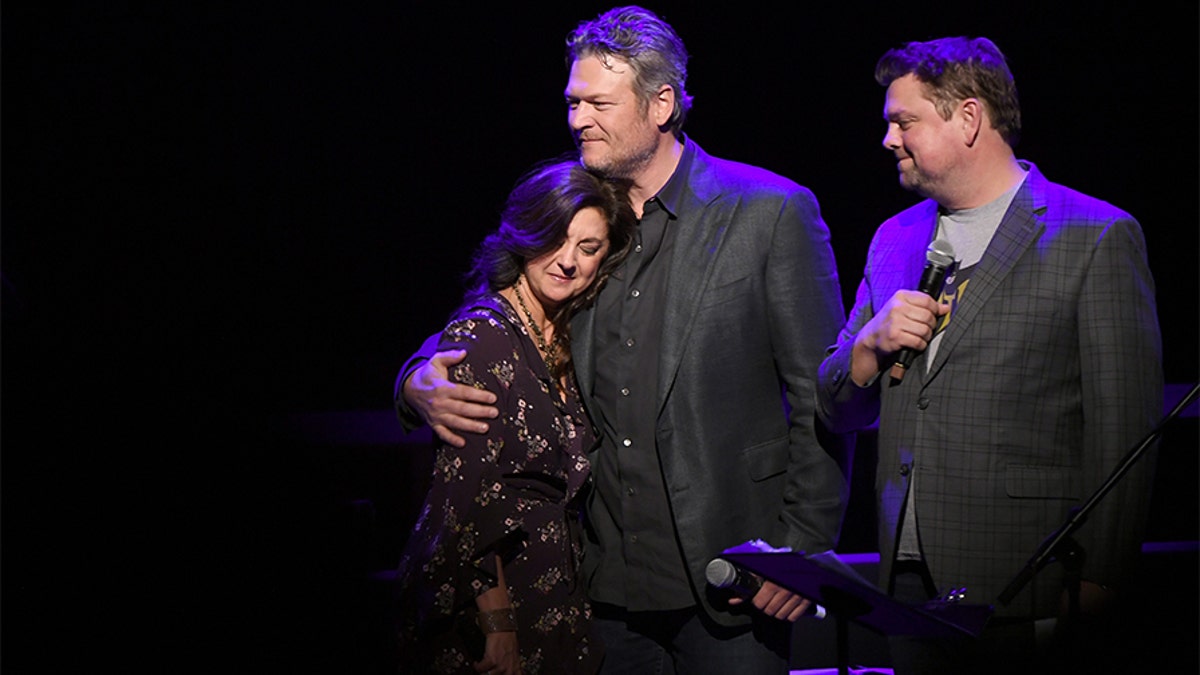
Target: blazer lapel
<point x="582" y="343"/>
<point x="897" y="259"/>
<point x="910" y="249"/>
<point x="696" y="248"/>
<point x="1019" y="229"/>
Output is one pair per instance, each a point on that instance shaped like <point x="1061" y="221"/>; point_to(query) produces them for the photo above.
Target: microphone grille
<point x="720" y="573"/>
<point x="940" y="253"/>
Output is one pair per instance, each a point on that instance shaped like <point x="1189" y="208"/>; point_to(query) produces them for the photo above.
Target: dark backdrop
<point x="215" y="216"/>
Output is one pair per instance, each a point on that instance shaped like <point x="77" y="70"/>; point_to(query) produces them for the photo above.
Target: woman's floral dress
<point x="512" y="492"/>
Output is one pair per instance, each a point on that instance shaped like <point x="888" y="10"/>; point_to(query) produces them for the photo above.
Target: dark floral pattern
<point x="514" y="493"/>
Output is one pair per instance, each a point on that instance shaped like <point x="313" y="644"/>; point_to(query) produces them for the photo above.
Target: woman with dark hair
<point x="488" y="578"/>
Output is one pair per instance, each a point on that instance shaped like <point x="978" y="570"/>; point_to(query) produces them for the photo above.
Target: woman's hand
<point x="500" y="656"/>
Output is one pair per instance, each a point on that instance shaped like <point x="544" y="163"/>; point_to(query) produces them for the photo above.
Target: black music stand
<point x="847" y="596"/>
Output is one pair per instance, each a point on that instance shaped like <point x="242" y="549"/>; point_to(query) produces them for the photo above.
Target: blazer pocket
<point x="766" y="460"/>
<point x="726" y="292"/>
<point x="1030" y="481"/>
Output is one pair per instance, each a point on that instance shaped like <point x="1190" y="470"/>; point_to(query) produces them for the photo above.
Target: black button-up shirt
<point x="641" y="566"/>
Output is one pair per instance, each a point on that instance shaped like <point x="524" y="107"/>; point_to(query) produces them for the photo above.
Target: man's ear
<point x="663" y="105"/>
<point x="972" y="115"/>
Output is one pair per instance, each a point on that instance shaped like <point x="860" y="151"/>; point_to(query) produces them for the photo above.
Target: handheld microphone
<point x="723" y="574"/>
<point x="938" y="259"/>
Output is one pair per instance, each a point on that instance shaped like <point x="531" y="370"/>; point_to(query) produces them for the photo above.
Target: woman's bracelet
<point x="498" y="620"/>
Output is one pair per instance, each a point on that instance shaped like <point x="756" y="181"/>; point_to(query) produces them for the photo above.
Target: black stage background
<point x="222" y="222"/>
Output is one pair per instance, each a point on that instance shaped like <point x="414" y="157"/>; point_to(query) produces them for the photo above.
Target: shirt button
<point x="905" y="469"/>
<point x="635" y="293"/>
<point x="627" y="442"/>
<point x="633" y="538"/>
<point x="630" y="491"/>
<point x="629" y="342"/>
<point x="638" y="248"/>
<point x="624" y="391"/>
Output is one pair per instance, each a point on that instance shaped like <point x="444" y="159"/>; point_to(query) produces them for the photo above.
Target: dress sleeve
<point x="480" y="519"/>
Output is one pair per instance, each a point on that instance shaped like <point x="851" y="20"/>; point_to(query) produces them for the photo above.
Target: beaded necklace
<point x="549" y="352"/>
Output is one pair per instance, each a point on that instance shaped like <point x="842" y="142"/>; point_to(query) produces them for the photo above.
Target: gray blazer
<point x="1049" y="372"/>
<point x="751" y="304"/>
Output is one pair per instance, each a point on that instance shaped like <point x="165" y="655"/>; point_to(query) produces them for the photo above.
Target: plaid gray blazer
<point x="1048" y="373"/>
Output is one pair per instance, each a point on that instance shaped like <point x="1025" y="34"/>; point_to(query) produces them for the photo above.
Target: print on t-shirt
<point x="952" y="292"/>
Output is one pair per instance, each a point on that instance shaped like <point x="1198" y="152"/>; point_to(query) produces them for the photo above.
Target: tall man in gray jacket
<point x="698" y="362"/>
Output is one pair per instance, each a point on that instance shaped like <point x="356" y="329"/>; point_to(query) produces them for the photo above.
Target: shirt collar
<point x="671" y="194"/>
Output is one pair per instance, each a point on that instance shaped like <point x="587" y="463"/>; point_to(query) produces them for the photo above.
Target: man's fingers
<point x="449" y="357"/>
<point x="778" y="602"/>
<point x="461" y="401"/>
<point x="459" y="423"/>
<point x="470" y="423"/>
<point x="799" y="610"/>
<point x="790" y="610"/>
<point x="475" y="402"/>
<point x="447" y="436"/>
<point x="461" y="415"/>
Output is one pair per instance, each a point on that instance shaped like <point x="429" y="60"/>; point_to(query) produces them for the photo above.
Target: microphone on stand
<point x="721" y="573"/>
<point x="938" y="259"/>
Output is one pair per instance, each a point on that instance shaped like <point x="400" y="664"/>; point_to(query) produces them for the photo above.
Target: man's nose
<point x="891" y="139"/>
<point x="579" y="117"/>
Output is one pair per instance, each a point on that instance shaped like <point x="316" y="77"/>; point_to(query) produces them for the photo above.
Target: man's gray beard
<point x="627" y="166"/>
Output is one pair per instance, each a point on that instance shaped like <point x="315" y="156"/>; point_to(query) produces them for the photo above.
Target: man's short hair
<point x="957" y="68"/>
<point x="648" y="44"/>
